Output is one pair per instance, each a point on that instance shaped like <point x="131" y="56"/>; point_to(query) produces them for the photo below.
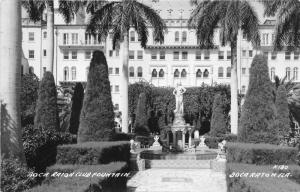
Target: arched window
<point x="177" y="36"/>
<point x="288" y="73"/>
<point x="220" y="72"/>
<point x="132" y="36"/>
<point x="154" y="73"/>
<point x="228" y="72"/>
<point x="184" y="36"/>
<point x="296" y="73"/>
<point x="176" y="73"/>
<point x="161" y="73"/>
<point x="66" y="73"/>
<point x="73" y="73"/>
<point x="272" y="73"/>
<point x="199" y="73"/>
<point x="183" y="73"/>
<point x="45" y="34"/>
<point x="243" y="89"/>
<point x="131" y="72"/>
<point x="205" y="73"/>
<point x="140" y="72"/>
<point x="31" y="70"/>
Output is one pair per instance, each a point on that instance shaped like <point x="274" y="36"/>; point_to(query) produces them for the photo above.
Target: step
<point x="177" y="164"/>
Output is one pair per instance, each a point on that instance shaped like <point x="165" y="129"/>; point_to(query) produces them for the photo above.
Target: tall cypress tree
<point x="77" y="100"/>
<point x="258" y="119"/>
<point x="46" y="114"/>
<point x="282" y="111"/>
<point x="218" y="120"/>
<point x="97" y="115"/>
<point x="140" y="125"/>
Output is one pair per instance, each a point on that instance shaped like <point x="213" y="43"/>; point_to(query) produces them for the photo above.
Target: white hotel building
<point x="178" y="59"/>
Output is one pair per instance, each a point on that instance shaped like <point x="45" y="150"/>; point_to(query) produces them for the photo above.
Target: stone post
<point x="190" y="139"/>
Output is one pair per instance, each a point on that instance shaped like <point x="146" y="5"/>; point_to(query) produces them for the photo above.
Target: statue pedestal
<point x="202" y="146"/>
<point x="156" y="146"/>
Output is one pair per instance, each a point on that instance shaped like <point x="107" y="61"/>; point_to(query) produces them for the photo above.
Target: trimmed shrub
<point x="97" y="115"/>
<point x="14" y="176"/>
<point x="46" y="109"/>
<point x="218" y="120"/>
<point x="140" y="126"/>
<point x="261" y="154"/>
<point x="82" y="183"/>
<point x="77" y="100"/>
<point x="258" y="120"/>
<point x="282" y="111"/>
<point x="91" y="153"/>
<point x="256" y="182"/>
<point x="29" y="95"/>
<point x="122" y="136"/>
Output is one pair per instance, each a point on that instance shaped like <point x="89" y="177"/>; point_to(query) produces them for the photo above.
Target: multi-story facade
<point x="177" y="60"/>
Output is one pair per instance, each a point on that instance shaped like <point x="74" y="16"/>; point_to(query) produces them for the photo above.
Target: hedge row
<point x="256" y="182"/>
<point x="261" y="154"/>
<point x="212" y="142"/>
<point x="82" y="183"/>
<point x="91" y="153"/>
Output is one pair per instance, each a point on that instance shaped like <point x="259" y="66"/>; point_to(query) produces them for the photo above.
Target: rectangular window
<point x="31" y="36"/>
<point x="111" y="53"/>
<point x="243" y="71"/>
<point x="87" y="55"/>
<point x="131" y="54"/>
<point x="45" y="53"/>
<point x="221" y="55"/>
<point x="265" y="39"/>
<point x="250" y="53"/>
<point x="66" y="38"/>
<point x="287" y="55"/>
<point x="273" y="55"/>
<point x="117" y="88"/>
<point x="176" y="55"/>
<point x="206" y="55"/>
<point x="266" y="54"/>
<point x="74" y="38"/>
<point x="117" y="71"/>
<point x="88" y="38"/>
<point x="153" y="55"/>
<point x="110" y="70"/>
<point x="244" y="53"/>
<point x="31" y="54"/>
<point x="44" y="69"/>
<point x="140" y="55"/>
<point x="45" y="35"/>
<point x="296" y="55"/>
<point x="229" y="55"/>
<point x="162" y="55"/>
<point x="273" y="37"/>
<point x="117" y="52"/>
<point x="66" y="54"/>
<point x="74" y="54"/>
<point x="184" y="55"/>
<point x="198" y="55"/>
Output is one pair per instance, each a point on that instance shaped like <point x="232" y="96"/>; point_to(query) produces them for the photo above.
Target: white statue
<point x="178" y="92"/>
<point x="156" y="145"/>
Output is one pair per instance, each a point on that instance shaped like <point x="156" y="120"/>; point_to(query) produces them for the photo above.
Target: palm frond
<point x="34" y="9"/>
<point x="68" y="9"/>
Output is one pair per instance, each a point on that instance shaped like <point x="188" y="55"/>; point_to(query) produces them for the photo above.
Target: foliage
<point x="294" y="170"/>
<point x="198" y="101"/>
<point x="258" y="121"/>
<point x="29" y="95"/>
<point x="122" y="137"/>
<point x="258" y="183"/>
<point x="14" y="176"/>
<point x="261" y="154"/>
<point x="97" y="115"/>
<point x="140" y="126"/>
<point x="282" y="111"/>
<point x="218" y="120"/>
<point x="64" y="107"/>
<point x="77" y="100"/>
<point x="46" y="109"/>
<point x="212" y="142"/>
<point x="84" y="183"/>
<point x="91" y="153"/>
<point x="40" y="146"/>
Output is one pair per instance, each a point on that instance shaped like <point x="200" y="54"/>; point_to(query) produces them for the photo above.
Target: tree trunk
<point x="10" y="78"/>
<point x="124" y="84"/>
<point x="234" y="89"/>
<point x="49" y="63"/>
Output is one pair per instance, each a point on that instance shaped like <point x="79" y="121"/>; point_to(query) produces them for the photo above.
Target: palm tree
<point x="118" y="18"/>
<point x="229" y="17"/>
<point x="10" y="78"/>
<point x="287" y="29"/>
<point x="67" y="8"/>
